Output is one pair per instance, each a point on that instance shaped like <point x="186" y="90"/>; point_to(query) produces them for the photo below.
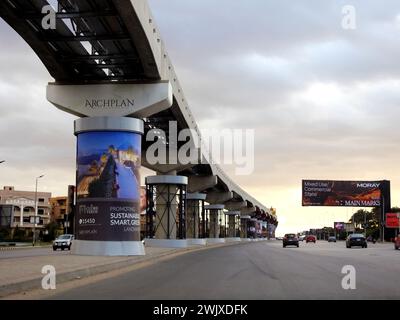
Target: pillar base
<point x="107" y="248"/>
<point x="215" y="240"/>
<point x="167" y="243"/>
<point x="235" y="239"/>
<point x="197" y="242"/>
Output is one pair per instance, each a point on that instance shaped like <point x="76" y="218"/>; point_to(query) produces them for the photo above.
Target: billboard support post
<point x="398" y="217"/>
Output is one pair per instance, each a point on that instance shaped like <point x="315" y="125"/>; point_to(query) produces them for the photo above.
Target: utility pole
<point x="36" y="211"/>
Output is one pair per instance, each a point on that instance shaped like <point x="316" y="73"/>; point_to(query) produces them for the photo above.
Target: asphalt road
<point x="30" y="252"/>
<point x="261" y="270"/>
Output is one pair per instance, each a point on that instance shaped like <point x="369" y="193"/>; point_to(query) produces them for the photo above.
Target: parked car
<point x="397" y="242"/>
<point x="63" y="242"/>
<point x="311" y="238"/>
<point x="356" y="239"/>
<point x="290" y="239"/>
<point x="332" y="239"/>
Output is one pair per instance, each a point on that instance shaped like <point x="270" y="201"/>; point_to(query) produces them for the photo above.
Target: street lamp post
<point x="36" y="211"/>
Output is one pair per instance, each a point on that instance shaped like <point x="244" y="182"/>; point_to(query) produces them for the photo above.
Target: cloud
<point x="322" y="100"/>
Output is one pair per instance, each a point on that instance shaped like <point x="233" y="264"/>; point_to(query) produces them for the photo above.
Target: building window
<point x="40" y="211"/>
<point x="41" y="200"/>
<point x="27" y="219"/>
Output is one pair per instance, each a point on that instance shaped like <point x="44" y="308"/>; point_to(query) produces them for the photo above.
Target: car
<point x="397" y="242"/>
<point x="63" y="242"/>
<point x="311" y="238"/>
<point x="279" y="238"/>
<point x="290" y="239"/>
<point x="356" y="240"/>
<point x="301" y="238"/>
<point x="332" y="239"/>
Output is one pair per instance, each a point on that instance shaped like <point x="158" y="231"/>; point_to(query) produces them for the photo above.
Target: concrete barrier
<point x="215" y="240"/>
<point x="197" y="242"/>
<point x="167" y="243"/>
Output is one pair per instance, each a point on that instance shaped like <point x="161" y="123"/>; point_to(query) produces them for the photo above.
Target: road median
<point x="21" y="274"/>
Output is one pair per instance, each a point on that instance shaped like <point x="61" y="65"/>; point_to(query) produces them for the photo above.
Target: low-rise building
<point x="18" y="207"/>
<point x="59" y="211"/>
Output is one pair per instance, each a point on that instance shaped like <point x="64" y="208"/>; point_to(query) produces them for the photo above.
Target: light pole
<point x="36" y="211"/>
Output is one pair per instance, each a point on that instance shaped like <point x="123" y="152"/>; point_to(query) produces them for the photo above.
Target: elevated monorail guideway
<point x="111" y="69"/>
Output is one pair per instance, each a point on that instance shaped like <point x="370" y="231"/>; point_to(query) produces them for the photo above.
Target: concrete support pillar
<point x="167" y="219"/>
<point x="194" y="218"/>
<point x="232" y="226"/>
<point x="231" y="215"/>
<point x="244" y="220"/>
<point x="214" y="223"/>
<point x="252" y="228"/>
<point x="215" y="212"/>
<point x="107" y="216"/>
<point x="166" y="213"/>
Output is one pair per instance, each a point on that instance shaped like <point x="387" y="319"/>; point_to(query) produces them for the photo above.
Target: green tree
<point x="19" y="235"/>
<point x="52" y="229"/>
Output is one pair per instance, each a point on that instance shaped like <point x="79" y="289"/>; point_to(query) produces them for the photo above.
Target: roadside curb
<point x="9" y="248"/>
<point x="31" y="284"/>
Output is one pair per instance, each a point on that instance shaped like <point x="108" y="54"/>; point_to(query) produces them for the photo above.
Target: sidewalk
<point x="24" y="273"/>
<point x="17" y="247"/>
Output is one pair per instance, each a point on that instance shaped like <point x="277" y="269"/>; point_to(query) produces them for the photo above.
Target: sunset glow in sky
<point x="323" y="101"/>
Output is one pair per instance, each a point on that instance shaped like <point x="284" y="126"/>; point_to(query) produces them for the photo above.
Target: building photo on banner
<point x="199" y="150"/>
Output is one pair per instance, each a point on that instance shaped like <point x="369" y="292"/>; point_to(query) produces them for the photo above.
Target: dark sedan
<point x="356" y="240"/>
<point x="332" y="239"/>
<point x="290" y="239"/>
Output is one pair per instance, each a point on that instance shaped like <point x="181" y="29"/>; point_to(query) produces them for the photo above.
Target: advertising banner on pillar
<point x="108" y="186"/>
<point x="342" y="193"/>
<point x="392" y="220"/>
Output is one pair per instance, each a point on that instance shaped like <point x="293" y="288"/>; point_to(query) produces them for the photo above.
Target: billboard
<point x="339" y="226"/>
<point x="342" y="193"/>
<point x="392" y="220"/>
<point x="108" y="186"/>
<point x="349" y="227"/>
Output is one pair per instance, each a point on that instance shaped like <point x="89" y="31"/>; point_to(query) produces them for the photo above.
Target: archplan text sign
<point x="342" y="193"/>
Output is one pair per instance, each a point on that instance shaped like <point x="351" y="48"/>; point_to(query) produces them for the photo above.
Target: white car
<point x="63" y="242"/>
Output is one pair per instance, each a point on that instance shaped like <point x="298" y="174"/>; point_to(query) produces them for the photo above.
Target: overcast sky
<point x="323" y="100"/>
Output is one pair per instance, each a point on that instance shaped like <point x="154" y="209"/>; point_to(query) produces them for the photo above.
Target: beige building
<point x="59" y="210"/>
<point x="23" y="207"/>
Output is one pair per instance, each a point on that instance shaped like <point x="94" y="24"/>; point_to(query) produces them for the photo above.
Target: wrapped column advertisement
<point x="108" y="186"/>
